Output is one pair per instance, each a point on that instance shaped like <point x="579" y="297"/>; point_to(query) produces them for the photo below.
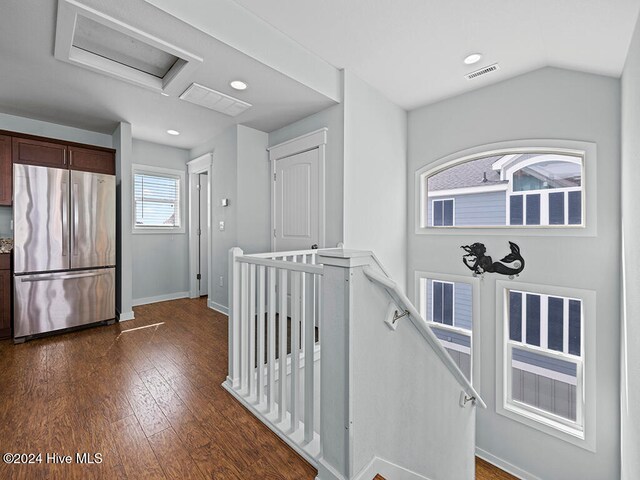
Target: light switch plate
<point x="221" y="226"/>
<point x="224" y="202"/>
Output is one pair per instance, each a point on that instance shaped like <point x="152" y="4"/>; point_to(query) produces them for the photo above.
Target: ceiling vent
<point x="93" y="40"/>
<point x="482" y="71"/>
<point x="214" y="100"/>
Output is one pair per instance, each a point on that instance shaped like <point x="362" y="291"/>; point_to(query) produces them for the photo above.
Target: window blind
<point x="157" y="200"/>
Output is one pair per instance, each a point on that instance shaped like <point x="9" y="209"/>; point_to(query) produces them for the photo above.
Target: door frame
<point x="304" y="143"/>
<point x="202" y="164"/>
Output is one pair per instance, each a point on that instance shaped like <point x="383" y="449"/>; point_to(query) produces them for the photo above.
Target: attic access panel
<point x="93" y="40"/>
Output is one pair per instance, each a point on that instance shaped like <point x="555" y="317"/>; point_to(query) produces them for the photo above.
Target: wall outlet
<point x="221" y="226"/>
<point x="221" y="281"/>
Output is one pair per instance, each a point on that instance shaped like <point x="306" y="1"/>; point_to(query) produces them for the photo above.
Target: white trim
<point x="174" y="81"/>
<point x="568" y="147"/>
<point x="504" y="465"/>
<point x="126" y="316"/>
<point x="308" y="141"/>
<point x="138" y="168"/>
<point x="316" y="139"/>
<point x="201" y="164"/>
<point x="581" y="433"/>
<point x="218" y="307"/>
<point x="494" y="187"/>
<point x="421" y="276"/>
<point x="159" y="298"/>
<point x="386" y="469"/>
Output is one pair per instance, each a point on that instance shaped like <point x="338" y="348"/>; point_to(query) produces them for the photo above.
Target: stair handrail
<point x="401" y="300"/>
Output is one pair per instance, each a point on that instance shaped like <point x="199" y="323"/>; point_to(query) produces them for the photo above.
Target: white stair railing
<point x="274" y="348"/>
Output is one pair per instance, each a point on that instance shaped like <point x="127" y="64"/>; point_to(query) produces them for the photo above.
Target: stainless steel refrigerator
<point x="64" y="249"/>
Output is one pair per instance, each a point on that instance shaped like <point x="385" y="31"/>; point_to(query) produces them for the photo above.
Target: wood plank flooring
<point x="146" y="395"/>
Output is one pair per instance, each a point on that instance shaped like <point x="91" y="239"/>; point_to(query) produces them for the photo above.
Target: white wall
<point x="240" y="174"/>
<point x="630" y="339"/>
<point x="375" y="180"/>
<point x="160" y="261"/>
<point x="554" y="104"/>
<point x="333" y="119"/>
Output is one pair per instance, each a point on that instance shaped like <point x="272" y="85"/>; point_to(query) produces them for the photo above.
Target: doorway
<point x="200" y="176"/>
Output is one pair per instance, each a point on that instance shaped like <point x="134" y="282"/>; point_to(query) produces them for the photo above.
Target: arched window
<point x="516" y="187"/>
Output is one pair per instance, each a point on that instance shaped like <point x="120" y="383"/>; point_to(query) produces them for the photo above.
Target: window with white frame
<point x="520" y="187"/>
<point x="544" y="358"/>
<point x="448" y="307"/>
<point x="443" y="212"/>
<point x="157" y="199"/>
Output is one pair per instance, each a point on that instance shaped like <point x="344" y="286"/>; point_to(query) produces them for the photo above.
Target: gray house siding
<point x="488" y="208"/>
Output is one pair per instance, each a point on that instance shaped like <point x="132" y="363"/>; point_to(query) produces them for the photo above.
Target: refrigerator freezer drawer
<point x="54" y="301"/>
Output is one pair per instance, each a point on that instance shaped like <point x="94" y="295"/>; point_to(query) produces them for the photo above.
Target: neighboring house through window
<point x="509" y="189"/>
<point x="448" y="307"/>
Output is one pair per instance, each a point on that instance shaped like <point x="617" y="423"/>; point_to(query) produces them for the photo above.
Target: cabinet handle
<point x="64" y="156"/>
<point x="70" y="158"/>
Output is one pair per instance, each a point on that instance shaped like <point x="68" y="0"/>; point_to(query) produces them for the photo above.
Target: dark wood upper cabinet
<point x="6" y="173"/>
<point x="90" y="160"/>
<point x="38" y="152"/>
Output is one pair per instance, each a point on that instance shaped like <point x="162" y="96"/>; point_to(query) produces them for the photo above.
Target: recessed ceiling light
<point x="173" y="132"/>
<point x="238" y="85"/>
<point x="473" y="58"/>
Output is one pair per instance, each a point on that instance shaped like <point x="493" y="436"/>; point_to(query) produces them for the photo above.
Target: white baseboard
<point x="160" y="298"/>
<point x="387" y="470"/>
<point x="123" y="317"/>
<point x="504" y="465"/>
<point x="217" y="307"/>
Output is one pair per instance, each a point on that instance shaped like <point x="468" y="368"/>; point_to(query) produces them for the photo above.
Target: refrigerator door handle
<point x="65" y="219"/>
<point x="61" y="276"/>
<point x="75" y="218"/>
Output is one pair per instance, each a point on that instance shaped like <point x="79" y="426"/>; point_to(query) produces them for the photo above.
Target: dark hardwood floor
<point x="144" y="394"/>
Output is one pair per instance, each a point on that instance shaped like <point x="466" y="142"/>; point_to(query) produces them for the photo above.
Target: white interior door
<point x="203" y="215"/>
<point x="297" y="202"/>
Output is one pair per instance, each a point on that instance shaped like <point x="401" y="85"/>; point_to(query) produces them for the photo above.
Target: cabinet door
<point x="5" y="304"/>
<point x="37" y="152"/>
<point x="5" y="170"/>
<point x="89" y="160"/>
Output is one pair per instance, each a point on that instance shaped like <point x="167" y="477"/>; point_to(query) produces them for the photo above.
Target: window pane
<point x="556" y="208"/>
<point x="533" y="209"/>
<point x="574" y="326"/>
<point x="463" y="305"/>
<point x="575" y="208"/>
<point x="458" y="346"/>
<point x="545" y="383"/>
<point x="447" y="301"/>
<point x="437" y="302"/>
<point x="156" y="200"/>
<point x="490" y="191"/>
<point x="515" y="316"/>
<point x="547" y="175"/>
<point x="437" y="213"/>
<point x="533" y="319"/>
<point x="447" y="214"/>
<point x="516" y="210"/>
<point x="556" y="323"/>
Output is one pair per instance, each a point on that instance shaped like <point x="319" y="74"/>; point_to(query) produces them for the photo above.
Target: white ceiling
<point x="412" y="50"/>
<point x="34" y="84"/>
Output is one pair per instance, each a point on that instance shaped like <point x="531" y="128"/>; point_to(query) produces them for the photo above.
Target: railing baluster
<point x="252" y="331"/>
<point x="309" y="365"/>
<point x="234" y="316"/>
<point x="282" y="350"/>
<point x="261" y="319"/>
<point x="244" y="324"/>
<point x="271" y="341"/>
<point x="295" y="350"/>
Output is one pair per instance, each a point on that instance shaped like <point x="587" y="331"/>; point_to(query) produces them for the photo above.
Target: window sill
<point x="573" y="435"/>
<point x="158" y="231"/>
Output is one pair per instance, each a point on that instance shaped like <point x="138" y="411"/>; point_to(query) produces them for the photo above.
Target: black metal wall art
<point x="479" y="263"/>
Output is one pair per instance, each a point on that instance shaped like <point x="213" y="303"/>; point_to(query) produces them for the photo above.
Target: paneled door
<point x="297" y="202"/>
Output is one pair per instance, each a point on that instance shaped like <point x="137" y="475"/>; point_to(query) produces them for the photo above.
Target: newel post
<point x="336" y="425"/>
<point x="233" y="377"/>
